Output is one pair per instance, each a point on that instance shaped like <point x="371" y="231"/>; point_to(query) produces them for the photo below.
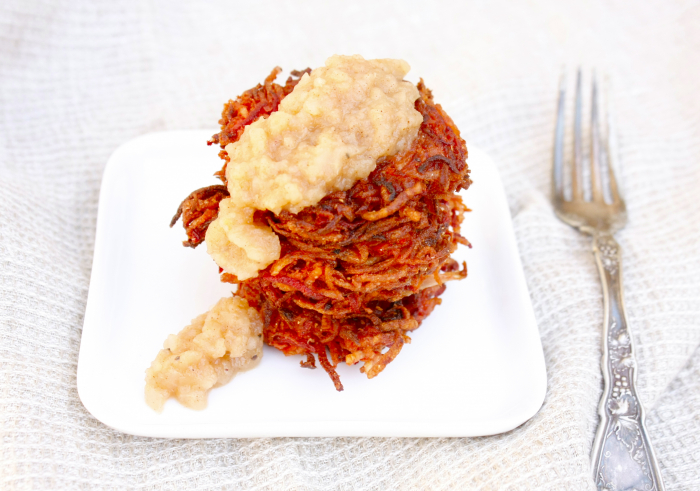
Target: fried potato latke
<point x="364" y="267"/>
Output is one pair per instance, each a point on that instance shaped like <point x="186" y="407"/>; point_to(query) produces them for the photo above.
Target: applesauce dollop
<point x="327" y="133"/>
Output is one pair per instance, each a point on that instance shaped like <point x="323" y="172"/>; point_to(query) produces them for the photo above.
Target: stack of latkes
<point x="362" y="268"/>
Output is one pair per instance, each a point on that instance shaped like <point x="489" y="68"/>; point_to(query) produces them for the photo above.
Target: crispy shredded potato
<point x="198" y="210"/>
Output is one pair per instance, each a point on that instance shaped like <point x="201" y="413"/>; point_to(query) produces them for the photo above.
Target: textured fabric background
<point x="79" y="78"/>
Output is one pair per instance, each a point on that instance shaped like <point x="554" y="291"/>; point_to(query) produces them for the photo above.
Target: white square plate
<point x="475" y="366"/>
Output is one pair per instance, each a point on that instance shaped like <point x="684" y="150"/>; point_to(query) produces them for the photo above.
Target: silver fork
<point x="622" y="455"/>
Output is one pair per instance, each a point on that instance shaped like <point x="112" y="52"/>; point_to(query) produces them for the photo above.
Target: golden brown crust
<point x="198" y="210"/>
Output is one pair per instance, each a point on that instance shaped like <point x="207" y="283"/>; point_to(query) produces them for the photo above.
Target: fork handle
<point x="622" y="455"/>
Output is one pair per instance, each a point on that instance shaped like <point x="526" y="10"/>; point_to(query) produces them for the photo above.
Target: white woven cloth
<point x="79" y="78"/>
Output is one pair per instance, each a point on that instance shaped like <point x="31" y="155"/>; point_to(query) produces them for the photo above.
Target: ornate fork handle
<point x="622" y="456"/>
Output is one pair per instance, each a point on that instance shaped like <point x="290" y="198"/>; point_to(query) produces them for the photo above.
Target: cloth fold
<point x="77" y="79"/>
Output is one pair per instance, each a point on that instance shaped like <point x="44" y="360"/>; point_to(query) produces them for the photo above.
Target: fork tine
<point x="596" y="185"/>
<point x="609" y="149"/>
<point x="558" y="163"/>
<point x="576" y="174"/>
<point x="614" y="192"/>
